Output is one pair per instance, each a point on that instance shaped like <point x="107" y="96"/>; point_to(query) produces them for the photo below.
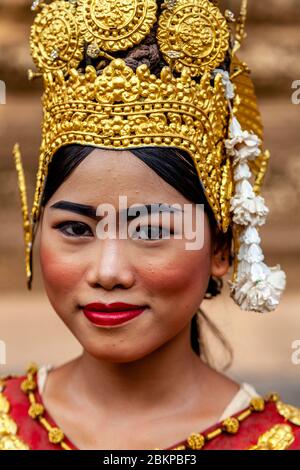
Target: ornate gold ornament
<point x="279" y="437"/>
<point x="9" y="439"/>
<point x="116" y="25"/>
<point x="195" y="34"/>
<point x="289" y="412"/>
<point x="55" y="41"/>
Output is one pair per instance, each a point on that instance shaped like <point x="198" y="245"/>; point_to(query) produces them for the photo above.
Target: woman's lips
<point x="111" y="314"/>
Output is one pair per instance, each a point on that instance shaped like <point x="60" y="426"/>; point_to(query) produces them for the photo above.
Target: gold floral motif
<point x="289" y="412"/>
<point x="231" y="425"/>
<point x="116" y="24"/>
<point x="198" y="31"/>
<point x="36" y="410"/>
<point x="196" y="441"/>
<point x="279" y="437"/>
<point x="28" y="385"/>
<point x="56" y="436"/>
<point x="257" y="404"/>
<point x="55" y="41"/>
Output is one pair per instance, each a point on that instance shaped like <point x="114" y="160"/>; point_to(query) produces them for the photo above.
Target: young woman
<point x="143" y="380"/>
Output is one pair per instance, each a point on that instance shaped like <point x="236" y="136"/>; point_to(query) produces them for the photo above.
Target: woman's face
<point x="81" y="268"/>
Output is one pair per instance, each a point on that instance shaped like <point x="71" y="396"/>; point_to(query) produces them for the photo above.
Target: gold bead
<point x="231" y="425"/>
<point x="196" y="441"/>
<point x="274" y="397"/>
<point x="28" y="385"/>
<point x="257" y="404"/>
<point x="56" y="436"/>
<point x="36" y="410"/>
<point x="32" y="368"/>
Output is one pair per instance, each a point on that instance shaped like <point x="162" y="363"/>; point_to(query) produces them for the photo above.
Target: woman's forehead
<point x="110" y="174"/>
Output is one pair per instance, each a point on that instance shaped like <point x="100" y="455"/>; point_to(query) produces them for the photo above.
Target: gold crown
<point x="112" y="106"/>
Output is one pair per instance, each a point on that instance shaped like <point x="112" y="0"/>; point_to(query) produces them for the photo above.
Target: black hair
<point x="177" y="169"/>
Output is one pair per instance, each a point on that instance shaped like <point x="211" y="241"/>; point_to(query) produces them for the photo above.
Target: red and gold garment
<point x="25" y="424"/>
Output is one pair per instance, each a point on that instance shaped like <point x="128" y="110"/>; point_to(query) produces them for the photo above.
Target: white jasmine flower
<point x="250" y="235"/>
<point x="260" y="296"/>
<point x="248" y="211"/>
<point x="242" y="172"/>
<point x="242" y="145"/>
<point x="250" y="253"/>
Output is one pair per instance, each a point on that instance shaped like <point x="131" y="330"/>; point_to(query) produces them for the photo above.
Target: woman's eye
<point x="75" y="229"/>
<point x="151" y="232"/>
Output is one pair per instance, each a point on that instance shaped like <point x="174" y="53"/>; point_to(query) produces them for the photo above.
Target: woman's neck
<point x="143" y="384"/>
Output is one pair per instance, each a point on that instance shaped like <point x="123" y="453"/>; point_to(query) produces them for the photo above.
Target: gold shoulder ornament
<point x="9" y="440"/>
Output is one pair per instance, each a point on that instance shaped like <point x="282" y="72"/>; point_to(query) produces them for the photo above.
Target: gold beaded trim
<point x="195" y="441"/>
<point x="37" y="410"/>
<point x="230" y="425"/>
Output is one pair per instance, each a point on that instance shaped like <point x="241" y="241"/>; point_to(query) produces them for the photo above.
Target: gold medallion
<point x="116" y="24"/>
<point x="193" y="34"/>
<point x="55" y="41"/>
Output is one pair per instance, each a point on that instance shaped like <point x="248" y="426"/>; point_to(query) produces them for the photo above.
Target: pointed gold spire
<point x="27" y="226"/>
<point x="240" y="33"/>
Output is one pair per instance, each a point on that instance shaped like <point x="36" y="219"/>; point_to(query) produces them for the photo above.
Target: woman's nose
<point x="110" y="266"/>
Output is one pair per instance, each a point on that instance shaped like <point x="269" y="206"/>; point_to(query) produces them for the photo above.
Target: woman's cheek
<point x="61" y="273"/>
<point x="182" y="277"/>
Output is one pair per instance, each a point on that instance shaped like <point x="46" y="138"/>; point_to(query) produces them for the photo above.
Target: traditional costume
<point x="249" y="422"/>
<point x="201" y="99"/>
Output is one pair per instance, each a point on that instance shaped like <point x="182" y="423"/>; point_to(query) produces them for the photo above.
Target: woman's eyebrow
<point x="91" y="211"/>
<point x="82" y="209"/>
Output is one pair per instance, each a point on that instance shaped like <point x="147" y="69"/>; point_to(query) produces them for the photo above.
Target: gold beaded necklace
<point x="195" y="441"/>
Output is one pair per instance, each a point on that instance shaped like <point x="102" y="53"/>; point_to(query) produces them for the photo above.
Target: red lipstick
<point x="111" y="314"/>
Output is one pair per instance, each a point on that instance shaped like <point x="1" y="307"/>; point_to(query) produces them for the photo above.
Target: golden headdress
<point x="201" y="101"/>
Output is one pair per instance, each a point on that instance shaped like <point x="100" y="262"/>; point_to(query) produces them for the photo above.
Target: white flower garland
<point x="257" y="287"/>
